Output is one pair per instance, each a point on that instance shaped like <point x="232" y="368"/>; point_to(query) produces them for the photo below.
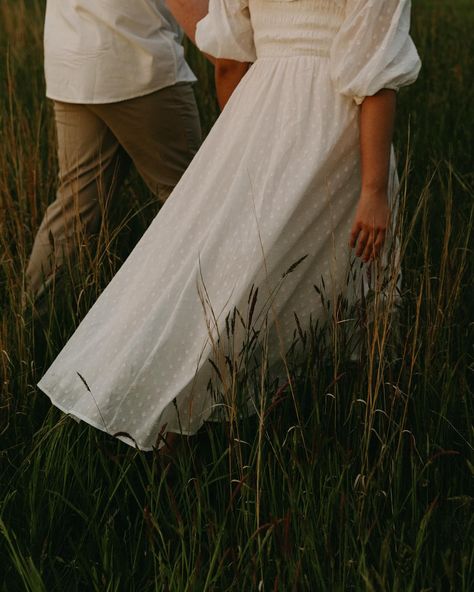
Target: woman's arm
<point x="228" y="75"/>
<point x="377" y="116"/>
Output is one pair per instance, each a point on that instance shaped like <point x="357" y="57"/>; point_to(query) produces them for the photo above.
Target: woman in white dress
<point x="297" y="166"/>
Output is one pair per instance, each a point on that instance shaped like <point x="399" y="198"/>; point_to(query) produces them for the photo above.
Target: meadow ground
<point x="359" y="480"/>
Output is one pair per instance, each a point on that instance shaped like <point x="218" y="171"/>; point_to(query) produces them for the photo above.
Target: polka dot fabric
<point x="276" y="181"/>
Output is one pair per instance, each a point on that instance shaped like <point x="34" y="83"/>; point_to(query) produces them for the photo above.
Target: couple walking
<point x="297" y="169"/>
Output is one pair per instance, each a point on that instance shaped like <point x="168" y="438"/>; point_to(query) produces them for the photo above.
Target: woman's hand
<point x="370" y="225"/>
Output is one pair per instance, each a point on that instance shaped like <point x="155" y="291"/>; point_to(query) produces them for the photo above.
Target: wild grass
<point x="357" y="476"/>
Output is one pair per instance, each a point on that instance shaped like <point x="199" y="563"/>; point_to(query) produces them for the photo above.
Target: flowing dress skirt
<point x="275" y="183"/>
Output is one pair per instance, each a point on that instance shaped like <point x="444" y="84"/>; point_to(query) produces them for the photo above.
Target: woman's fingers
<point x="379" y="241"/>
<point x="369" y="251"/>
<point x="362" y="240"/>
<point x="356" y="229"/>
<point x="367" y="242"/>
<point x="373" y="245"/>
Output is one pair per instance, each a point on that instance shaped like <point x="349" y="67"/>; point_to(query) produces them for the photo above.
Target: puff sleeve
<point x="226" y="32"/>
<point x="373" y="49"/>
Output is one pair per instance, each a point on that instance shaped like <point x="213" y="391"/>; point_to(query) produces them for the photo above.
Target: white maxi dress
<point x="276" y="182"/>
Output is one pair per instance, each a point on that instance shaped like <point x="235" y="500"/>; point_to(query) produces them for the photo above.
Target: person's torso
<point x="99" y="51"/>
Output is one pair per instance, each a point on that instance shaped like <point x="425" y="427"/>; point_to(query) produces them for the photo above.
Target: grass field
<point x="362" y="482"/>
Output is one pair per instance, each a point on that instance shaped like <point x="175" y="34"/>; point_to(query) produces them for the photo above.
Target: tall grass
<point x="355" y="476"/>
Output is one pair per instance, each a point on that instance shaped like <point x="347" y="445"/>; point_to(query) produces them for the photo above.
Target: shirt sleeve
<point x="373" y="49"/>
<point x="226" y="32"/>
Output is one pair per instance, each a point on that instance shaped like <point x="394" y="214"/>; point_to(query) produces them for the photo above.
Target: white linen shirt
<point x="103" y="51"/>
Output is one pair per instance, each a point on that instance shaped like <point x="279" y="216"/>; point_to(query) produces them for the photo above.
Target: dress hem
<point x="81" y="417"/>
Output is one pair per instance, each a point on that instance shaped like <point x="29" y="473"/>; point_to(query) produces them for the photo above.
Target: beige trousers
<point x="159" y="133"/>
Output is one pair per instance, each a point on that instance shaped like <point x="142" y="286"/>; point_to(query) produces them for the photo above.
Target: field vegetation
<point x="360" y="478"/>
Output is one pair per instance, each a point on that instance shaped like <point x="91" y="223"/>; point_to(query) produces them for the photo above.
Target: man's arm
<point x="188" y="13"/>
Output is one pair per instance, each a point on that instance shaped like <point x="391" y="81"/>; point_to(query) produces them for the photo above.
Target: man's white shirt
<point x="103" y="51"/>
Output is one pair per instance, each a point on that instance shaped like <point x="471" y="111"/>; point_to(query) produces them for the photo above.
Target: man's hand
<point x="188" y="13"/>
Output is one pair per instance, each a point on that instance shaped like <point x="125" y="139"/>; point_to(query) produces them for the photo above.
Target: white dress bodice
<point x="295" y="27"/>
<point x="367" y="42"/>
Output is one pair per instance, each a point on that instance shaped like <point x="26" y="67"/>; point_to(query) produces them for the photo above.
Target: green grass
<point x="360" y="481"/>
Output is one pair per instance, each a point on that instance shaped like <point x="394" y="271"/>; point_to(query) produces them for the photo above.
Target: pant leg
<point x="91" y="163"/>
<point x="161" y="133"/>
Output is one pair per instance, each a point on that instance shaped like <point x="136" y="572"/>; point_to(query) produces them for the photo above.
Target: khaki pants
<point x="159" y="133"/>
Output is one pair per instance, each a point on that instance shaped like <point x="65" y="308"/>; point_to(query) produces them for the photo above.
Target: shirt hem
<point x="103" y="101"/>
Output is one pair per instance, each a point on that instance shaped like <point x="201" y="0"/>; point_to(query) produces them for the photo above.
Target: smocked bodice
<point x="367" y="42"/>
<point x="295" y="27"/>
